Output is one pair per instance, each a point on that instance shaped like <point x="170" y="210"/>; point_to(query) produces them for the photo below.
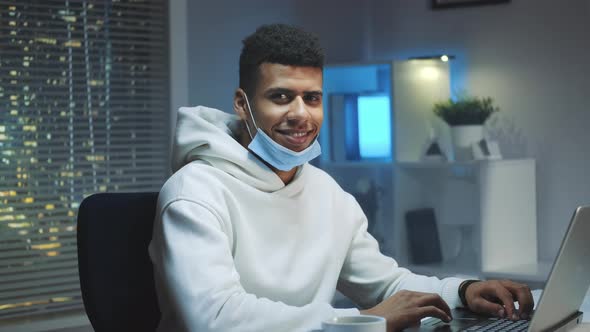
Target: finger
<point x="431" y="299"/>
<point x="432" y="311"/>
<point x="524" y="297"/>
<point x="506" y="297"/>
<point x="484" y="306"/>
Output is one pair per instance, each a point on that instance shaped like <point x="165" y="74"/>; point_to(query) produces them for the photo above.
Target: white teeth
<point x="298" y="134"/>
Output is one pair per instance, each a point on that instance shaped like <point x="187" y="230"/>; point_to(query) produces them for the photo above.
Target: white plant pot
<point x="463" y="137"/>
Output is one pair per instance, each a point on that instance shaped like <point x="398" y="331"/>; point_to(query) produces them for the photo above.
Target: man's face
<point x="287" y="104"/>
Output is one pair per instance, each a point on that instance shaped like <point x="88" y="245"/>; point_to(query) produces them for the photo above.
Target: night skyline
<point x="83" y="109"/>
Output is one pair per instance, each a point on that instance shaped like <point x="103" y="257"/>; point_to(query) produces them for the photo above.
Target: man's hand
<point x="406" y="308"/>
<point x="496" y="298"/>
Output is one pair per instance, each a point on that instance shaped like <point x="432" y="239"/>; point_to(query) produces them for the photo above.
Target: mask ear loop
<point x="251" y="116"/>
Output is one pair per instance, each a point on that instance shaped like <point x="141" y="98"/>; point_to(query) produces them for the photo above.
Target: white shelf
<point x="528" y="272"/>
<point x="452" y="164"/>
<point x="434" y="164"/>
<point x="443" y="270"/>
<point x="356" y="164"/>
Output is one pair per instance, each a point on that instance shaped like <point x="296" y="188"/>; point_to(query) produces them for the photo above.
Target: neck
<point x="285" y="176"/>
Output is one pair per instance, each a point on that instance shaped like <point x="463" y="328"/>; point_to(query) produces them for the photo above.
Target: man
<point x="250" y="237"/>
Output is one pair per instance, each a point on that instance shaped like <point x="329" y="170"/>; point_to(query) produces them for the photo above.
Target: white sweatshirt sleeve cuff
<point x="450" y="292"/>
<point x="347" y="312"/>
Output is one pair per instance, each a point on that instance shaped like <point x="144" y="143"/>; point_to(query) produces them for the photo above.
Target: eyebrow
<point x="290" y="92"/>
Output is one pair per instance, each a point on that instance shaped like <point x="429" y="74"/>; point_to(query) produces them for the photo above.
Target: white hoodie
<point x="234" y="249"/>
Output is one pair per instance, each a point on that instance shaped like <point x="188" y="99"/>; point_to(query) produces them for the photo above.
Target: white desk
<point x="584" y="327"/>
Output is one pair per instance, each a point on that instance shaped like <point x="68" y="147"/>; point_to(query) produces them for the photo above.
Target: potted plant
<point x="466" y="117"/>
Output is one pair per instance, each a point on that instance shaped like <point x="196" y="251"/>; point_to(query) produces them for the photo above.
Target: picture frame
<point x="444" y="4"/>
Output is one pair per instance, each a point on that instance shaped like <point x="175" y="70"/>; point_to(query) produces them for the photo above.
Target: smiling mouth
<point x="296" y="138"/>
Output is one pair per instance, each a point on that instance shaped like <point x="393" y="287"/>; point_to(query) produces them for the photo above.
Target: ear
<point x="240" y="104"/>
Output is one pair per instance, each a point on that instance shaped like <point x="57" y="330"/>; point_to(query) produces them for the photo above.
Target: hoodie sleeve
<point x="368" y="277"/>
<point x="197" y="281"/>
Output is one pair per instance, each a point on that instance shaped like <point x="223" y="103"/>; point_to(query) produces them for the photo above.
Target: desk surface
<point x="584" y="327"/>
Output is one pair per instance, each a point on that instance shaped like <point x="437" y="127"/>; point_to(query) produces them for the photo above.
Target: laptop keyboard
<point x="502" y="325"/>
<point x="491" y="325"/>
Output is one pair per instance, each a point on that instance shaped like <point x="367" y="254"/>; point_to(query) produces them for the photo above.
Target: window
<point x="83" y="109"/>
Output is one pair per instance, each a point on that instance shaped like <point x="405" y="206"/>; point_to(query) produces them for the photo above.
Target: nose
<point x="298" y="110"/>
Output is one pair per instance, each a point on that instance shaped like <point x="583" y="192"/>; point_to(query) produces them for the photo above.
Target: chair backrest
<point x="116" y="276"/>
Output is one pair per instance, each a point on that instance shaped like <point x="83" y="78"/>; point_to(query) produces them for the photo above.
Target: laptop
<point x="558" y="307"/>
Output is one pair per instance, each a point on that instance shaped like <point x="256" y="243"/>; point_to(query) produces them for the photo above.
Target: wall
<point x="530" y="55"/>
<point x="217" y="28"/>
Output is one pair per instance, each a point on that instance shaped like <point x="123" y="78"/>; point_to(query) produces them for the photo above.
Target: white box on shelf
<point x="508" y="223"/>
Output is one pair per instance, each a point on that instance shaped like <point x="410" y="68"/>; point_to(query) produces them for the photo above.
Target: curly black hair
<point x="277" y="43"/>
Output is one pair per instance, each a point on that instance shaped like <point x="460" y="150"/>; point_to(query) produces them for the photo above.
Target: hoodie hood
<point x="210" y="135"/>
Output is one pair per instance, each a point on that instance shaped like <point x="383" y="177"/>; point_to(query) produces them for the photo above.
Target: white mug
<point x="361" y="323"/>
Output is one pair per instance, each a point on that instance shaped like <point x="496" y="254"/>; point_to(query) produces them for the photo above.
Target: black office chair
<point x="116" y="276"/>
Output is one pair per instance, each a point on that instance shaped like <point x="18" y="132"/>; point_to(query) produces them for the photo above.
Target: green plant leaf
<point x="465" y="111"/>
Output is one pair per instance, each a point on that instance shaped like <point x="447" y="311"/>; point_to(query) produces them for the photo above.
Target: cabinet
<point x="485" y="213"/>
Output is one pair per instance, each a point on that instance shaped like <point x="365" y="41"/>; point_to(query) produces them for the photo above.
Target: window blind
<point x="83" y="109"/>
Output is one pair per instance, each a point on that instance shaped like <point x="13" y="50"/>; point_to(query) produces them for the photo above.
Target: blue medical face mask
<point x="275" y="154"/>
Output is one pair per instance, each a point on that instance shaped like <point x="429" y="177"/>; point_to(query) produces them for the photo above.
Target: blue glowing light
<point x="374" y="126"/>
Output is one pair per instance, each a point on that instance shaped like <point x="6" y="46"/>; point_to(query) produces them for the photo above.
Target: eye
<point x="313" y="98"/>
<point x="280" y="97"/>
